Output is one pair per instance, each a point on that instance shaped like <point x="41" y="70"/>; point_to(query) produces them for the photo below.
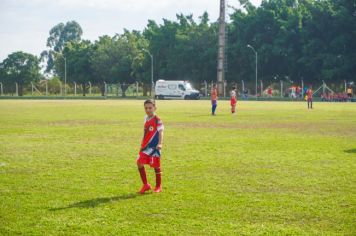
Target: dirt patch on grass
<point x="83" y="122"/>
<point x="324" y="128"/>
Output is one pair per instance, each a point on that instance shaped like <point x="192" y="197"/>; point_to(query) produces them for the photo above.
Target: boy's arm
<point x="160" y="140"/>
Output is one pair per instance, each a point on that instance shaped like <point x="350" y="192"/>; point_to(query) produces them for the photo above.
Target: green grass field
<point x="68" y="168"/>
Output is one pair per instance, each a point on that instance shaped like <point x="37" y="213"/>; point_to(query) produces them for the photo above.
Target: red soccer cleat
<point x="157" y="189"/>
<point x="145" y="188"/>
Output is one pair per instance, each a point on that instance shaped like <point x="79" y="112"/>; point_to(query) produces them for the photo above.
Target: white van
<point x="169" y="89"/>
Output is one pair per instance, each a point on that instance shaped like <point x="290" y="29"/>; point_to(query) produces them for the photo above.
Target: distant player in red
<point x="150" y="152"/>
<point x="214" y="99"/>
<point x="310" y="98"/>
<point x="233" y="100"/>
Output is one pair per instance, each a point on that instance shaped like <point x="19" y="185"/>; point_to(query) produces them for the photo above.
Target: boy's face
<point x="150" y="109"/>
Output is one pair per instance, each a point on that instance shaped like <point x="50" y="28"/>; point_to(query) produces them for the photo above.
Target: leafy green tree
<point x="21" y="68"/>
<point x="79" y="67"/>
<point x="59" y="35"/>
<point x="184" y="49"/>
<point x="102" y="61"/>
<point x="119" y="59"/>
<point x="54" y="85"/>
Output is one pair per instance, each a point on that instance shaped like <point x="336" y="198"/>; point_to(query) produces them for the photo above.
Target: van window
<point x="181" y="87"/>
<point x="172" y="86"/>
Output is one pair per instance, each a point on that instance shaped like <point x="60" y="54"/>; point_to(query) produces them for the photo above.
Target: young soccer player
<point x="214" y="99"/>
<point x="233" y="100"/>
<point x="349" y="93"/>
<point x="310" y="97"/>
<point x="150" y="153"/>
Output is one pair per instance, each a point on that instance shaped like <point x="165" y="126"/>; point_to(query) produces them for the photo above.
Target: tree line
<point x="313" y="40"/>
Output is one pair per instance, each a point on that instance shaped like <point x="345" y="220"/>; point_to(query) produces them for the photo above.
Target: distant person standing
<point x="233" y="100"/>
<point x="349" y="93"/>
<point x="310" y="97"/>
<point x="269" y="92"/>
<point x="214" y="99"/>
<point x="245" y="94"/>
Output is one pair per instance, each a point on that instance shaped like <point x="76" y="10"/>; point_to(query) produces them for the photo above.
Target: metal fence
<point x="59" y="89"/>
<point x="283" y="89"/>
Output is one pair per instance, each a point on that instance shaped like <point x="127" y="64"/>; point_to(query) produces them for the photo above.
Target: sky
<point x="25" y="24"/>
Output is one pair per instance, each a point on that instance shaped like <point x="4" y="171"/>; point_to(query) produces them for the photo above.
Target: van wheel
<point x="186" y="97"/>
<point x="160" y="97"/>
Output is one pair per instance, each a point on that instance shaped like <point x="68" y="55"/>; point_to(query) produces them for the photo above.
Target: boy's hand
<point x="159" y="147"/>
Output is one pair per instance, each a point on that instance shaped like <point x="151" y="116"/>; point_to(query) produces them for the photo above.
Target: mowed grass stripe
<point x="275" y="168"/>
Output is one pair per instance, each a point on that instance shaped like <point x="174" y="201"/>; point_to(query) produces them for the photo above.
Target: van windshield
<point x="188" y="86"/>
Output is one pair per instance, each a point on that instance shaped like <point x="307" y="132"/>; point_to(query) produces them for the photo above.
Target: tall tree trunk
<point x="84" y="87"/>
<point x="145" y="90"/>
<point x="124" y="87"/>
<point x="20" y="89"/>
<point x="102" y="89"/>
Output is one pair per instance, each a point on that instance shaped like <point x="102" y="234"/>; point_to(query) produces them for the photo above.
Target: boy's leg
<point x="158" y="177"/>
<point x="141" y="169"/>
<point x="214" y="105"/>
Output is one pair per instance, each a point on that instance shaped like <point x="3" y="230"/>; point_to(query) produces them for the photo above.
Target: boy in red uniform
<point x="214" y="99"/>
<point x="310" y="97"/>
<point x="150" y="153"/>
<point x="233" y="100"/>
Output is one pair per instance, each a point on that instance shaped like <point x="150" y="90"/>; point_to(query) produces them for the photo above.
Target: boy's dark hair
<point x="233" y="88"/>
<point x="150" y="101"/>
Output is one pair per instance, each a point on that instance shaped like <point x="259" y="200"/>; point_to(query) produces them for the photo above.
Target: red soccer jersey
<point x="151" y="134"/>
<point x="214" y="94"/>
<point x="310" y="93"/>
<point x="233" y="99"/>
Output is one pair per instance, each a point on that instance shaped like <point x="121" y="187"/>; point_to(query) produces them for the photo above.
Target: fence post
<point x="345" y="83"/>
<point x="60" y="88"/>
<point x="243" y="85"/>
<point x="75" y="88"/>
<point x="281" y="89"/>
<point x="225" y="83"/>
<point x="89" y="88"/>
<point x="31" y="89"/>
<point x="302" y="89"/>
<point x="1" y="89"/>
<point x="118" y="87"/>
<point x="261" y="88"/>
<point x="136" y="89"/>
<point x="17" y="89"/>
<point x="46" y="87"/>
<point x="205" y="88"/>
<point x="324" y="86"/>
<point x="105" y="90"/>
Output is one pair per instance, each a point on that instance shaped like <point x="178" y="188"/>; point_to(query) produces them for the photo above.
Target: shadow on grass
<point x="91" y="203"/>
<point x="350" y="150"/>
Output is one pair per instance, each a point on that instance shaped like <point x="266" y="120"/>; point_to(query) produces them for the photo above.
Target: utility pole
<point x="221" y="49"/>
<point x="65" y="76"/>
<point x="152" y="81"/>
<point x="256" y="64"/>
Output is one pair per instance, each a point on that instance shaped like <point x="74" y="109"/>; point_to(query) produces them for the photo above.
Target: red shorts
<point x="144" y="159"/>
